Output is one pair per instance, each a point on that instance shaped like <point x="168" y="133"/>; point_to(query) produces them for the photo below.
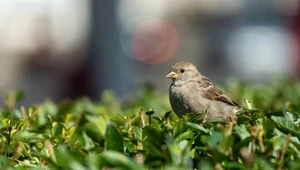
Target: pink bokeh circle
<point x="154" y="41"/>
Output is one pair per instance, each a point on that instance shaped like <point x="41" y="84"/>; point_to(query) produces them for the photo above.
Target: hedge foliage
<point x="141" y="132"/>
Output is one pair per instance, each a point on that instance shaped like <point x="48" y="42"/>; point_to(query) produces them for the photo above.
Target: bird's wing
<point x="213" y="93"/>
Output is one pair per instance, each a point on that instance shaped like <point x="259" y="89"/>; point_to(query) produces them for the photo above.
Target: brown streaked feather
<point x="214" y="93"/>
<point x="205" y="82"/>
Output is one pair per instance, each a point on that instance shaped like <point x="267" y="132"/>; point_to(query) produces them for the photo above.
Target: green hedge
<point x="141" y="132"/>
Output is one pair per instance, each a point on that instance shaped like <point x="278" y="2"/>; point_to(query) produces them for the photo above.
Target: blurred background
<point x="63" y="49"/>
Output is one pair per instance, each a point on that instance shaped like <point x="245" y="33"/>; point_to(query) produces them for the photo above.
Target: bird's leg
<point x="232" y="119"/>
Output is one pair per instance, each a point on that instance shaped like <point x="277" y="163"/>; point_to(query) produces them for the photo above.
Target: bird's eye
<point x="182" y="71"/>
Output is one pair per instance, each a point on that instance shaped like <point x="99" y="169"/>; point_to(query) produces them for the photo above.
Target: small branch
<point x="261" y="143"/>
<point x="287" y="141"/>
<point x="149" y="119"/>
<point x="232" y="119"/>
<point x="247" y="157"/>
<point x="142" y="119"/>
<point x="149" y="113"/>
<point x="8" y="136"/>
<point x="49" y="146"/>
<point x="254" y="130"/>
<point x="226" y="137"/>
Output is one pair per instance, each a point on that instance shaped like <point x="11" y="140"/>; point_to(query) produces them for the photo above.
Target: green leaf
<point x="234" y="165"/>
<point x="262" y="163"/>
<point x="118" y="160"/>
<point x="138" y="133"/>
<point x="248" y="104"/>
<point x="4" y="162"/>
<point x="24" y="135"/>
<point x="196" y="127"/>
<point x="293" y="117"/>
<point x="268" y="127"/>
<point x="153" y="134"/>
<point x="113" y="138"/>
<point x="242" y="131"/>
<point x="63" y="156"/>
<point x="50" y="108"/>
<point x="185" y="135"/>
<point x="216" y="139"/>
<point x="31" y="111"/>
<point x="99" y="122"/>
<point x="179" y="153"/>
<point x="167" y="114"/>
<point x="286" y="125"/>
<point x="153" y="138"/>
<point x="88" y="143"/>
<point x="205" y="165"/>
<point x="179" y="127"/>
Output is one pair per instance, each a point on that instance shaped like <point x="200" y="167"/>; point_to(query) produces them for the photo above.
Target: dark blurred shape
<point x="296" y="29"/>
<point x="43" y="43"/>
<point x="102" y="68"/>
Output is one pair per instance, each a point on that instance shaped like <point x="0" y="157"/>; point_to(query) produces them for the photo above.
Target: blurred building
<point x="67" y="48"/>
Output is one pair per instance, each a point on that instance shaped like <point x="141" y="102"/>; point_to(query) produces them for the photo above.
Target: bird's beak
<point x="172" y="75"/>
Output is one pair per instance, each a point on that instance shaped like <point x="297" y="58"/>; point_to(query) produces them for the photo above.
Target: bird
<point x="191" y="92"/>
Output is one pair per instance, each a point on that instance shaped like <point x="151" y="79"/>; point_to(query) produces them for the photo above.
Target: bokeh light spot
<point x="154" y="41"/>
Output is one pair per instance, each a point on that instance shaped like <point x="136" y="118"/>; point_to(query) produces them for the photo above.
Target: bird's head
<point x="183" y="71"/>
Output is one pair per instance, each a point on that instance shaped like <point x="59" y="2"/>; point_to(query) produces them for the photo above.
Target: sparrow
<point x="191" y="92"/>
